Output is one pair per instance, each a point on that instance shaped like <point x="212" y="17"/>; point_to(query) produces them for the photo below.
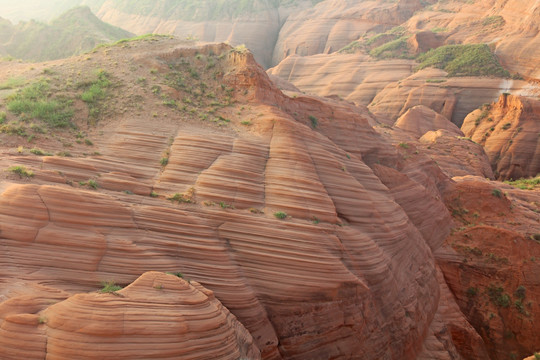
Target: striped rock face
<point x="313" y="233"/>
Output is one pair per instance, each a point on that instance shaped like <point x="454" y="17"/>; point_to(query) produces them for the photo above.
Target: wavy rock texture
<point x="332" y="25"/>
<point x="390" y="87"/>
<point x="355" y="77"/>
<point x="348" y="273"/>
<point x="158" y="316"/>
<point x="509" y="132"/>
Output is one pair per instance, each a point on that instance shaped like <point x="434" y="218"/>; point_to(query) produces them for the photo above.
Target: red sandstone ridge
<point x="158" y="316"/>
<point x="301" y="216"/>
<point x="509" y="130"/>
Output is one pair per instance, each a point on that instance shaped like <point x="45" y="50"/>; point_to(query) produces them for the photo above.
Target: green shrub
<point x="96" y="92"/>
<point x="463" y="60"/>
<point x="280" y="214"/>
<point x="181" y="198"/>
<point x="21" y="170"/>
<point x="498" y="296"/>
<point x="351" y="48"/>
<point x="494" y="21"/>
<point x="496" y="193"/>
<point x="472" y="291"/>
<point x="177" y="274"/>
<point x="3" y="117"/>
<point x="525" y="184"/>
<point x="314" y="121"/>
<point x="397" y="48"/>
<point x="154" y="194"/>
<point x="92" y="183"/>
<point x="520" y="292"/>
<point x="34" y="101"/>
<point x="109" y="287"/>
<point x="164" y="161"/>
<point x="39" y="152"/>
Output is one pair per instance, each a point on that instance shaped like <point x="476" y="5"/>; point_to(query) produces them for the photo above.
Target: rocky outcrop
<point x="509" y="132"/>
<point x="490" y="263"/>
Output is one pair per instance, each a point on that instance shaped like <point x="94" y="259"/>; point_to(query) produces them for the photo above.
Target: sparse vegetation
<point x="463" y="60"/>
<point x="36" y="102"/>
<point x="21" y="170"/>
<point x="494" y="21"/>
<point x="177" y="274"/>
<point x="180" y="198"/>
<point x="280" y="214"/>
<point x="12" y="83"/>
<point x="498" y="296"/>
<point x="397" y="48"/>
<point x="497" y="193"/>
<point x="39" y="152"/>
<point x="403" y="145"/>
<point x="96" y="92"/>
<point x="525" y="184"/>
<point x="314" y="121"/>
<point x="109" y="287"/>
<point x="472" y="292"/>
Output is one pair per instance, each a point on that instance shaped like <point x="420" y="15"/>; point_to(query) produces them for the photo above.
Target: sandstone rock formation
<point x="509" y="131"/>
<point x="298" y="214"/>
<point x="164" y="316"/>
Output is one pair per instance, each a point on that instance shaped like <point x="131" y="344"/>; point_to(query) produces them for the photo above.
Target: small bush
<point x="109" y="287"/>
<point x="164" y="161"/>
<point x="496" y="193"/>
<point x="520" y="292"/>
<point x="280" y="214"/>
<point x="472" y="291"/>
<point x="39" y="152"/>
<point x="180" y="198"/>
<point x="498" y="296"/>
<point x="177" y="274"/>
<point x="506" y="126"/>
<point x="20" y="170"/>
<point x="314" y="121"/>
<point x="154" y="194"/>
<point x="404" y="145"/>
<point x="92" y="183"/>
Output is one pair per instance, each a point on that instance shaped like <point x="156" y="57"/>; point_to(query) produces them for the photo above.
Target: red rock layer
<point x="491" y="263"/>
<point x="509" y="132"/>
<point x="158" y="316"/>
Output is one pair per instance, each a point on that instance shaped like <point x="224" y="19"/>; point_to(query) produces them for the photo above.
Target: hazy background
<point x="43" y="10"/>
